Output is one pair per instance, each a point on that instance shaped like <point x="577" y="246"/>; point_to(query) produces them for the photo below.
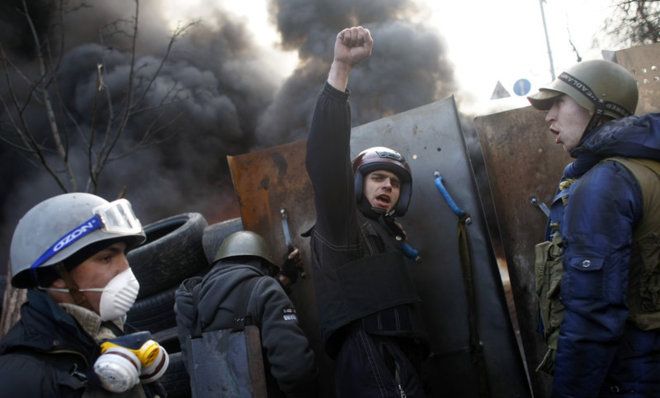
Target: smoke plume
<point x="215" y="95"/>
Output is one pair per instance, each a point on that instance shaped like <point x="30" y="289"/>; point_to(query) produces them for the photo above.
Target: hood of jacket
<point x="630" y="137"/>
<point x="216" y="300"/>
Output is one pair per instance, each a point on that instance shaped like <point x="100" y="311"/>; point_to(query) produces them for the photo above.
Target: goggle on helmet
<point x="59" y="227"/>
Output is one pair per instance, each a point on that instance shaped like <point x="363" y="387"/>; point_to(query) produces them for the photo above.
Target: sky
<point x="488" y="41"/>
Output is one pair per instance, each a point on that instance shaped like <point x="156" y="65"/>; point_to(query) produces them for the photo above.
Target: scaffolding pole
<point x="547" y="41"/>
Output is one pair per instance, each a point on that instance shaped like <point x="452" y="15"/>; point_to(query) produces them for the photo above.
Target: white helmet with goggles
<point x="63" y="225"/>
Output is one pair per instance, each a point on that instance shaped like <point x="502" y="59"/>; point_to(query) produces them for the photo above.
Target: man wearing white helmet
<point x="364" y="292"/>
<point x="69" y="252"/>
<point x="598" y="272"/>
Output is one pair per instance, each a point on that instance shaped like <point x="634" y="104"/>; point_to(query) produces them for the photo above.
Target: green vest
<point x="643" y="298"/>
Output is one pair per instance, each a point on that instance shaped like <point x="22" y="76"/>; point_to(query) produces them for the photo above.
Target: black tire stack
<point x="176" y="248"/>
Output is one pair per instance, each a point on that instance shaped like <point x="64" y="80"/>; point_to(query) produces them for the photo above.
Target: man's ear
<point x="58" y="283"/>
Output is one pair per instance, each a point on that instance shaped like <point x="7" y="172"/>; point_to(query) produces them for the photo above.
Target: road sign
<point x="521" y="87"/>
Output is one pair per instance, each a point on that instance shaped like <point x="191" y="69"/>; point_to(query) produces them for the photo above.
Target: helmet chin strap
<point x="78" y="297"/>
<point x="596" y="118"/>
<point x="383" y="212"/>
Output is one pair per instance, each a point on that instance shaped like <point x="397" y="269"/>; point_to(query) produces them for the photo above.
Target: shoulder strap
<point x="241" y="316"/>
<point x="650" y="164"/>
<point x="647" y="174"/>
<point x="197" y="326"/>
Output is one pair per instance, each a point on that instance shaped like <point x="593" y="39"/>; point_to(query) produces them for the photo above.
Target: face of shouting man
<point x="567" y="121"/>
<point x="382" y="189"/>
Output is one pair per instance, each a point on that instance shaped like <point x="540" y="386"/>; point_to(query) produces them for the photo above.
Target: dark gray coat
<point x="285" y="347"/>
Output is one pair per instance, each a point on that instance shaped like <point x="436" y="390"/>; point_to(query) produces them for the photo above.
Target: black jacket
<point x="360" y="272"/>
<point x="47" y="354"/>
<point x="284" y="344"/>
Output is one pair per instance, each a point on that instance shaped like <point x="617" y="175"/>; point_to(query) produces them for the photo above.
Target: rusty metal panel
<point x="644" y="63"/>
<point x="265" y="182"/>
<point x="430" y="138"/>
<point x="520" y="160"/>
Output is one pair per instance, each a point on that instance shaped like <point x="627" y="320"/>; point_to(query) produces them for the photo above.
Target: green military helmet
<point x="244" y="243"/>
<point x="599" y="86"/>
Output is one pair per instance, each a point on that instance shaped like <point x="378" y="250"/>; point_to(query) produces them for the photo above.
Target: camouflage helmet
<point x="244" y="243"/>
<point x="382" y="158"/>
<point x="63" y="226"/>
<point x="601" y="87"/>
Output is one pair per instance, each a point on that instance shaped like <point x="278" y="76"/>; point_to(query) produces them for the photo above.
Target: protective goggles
<point x="115" y="217"/>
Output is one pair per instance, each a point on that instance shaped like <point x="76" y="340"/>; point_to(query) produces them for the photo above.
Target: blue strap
<point x="68" y="239"/>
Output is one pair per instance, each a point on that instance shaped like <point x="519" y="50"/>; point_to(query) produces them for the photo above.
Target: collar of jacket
<point x="254" y="263"/>
<point x="633" y="136"/>
<point x="47" y="327"/>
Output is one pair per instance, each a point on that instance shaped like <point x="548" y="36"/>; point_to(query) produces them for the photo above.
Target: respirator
<point x="127" y="360"/>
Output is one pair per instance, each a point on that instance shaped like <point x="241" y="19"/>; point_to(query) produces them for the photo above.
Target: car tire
<point x="214" y="234"/>
<point x="172" y="252"/>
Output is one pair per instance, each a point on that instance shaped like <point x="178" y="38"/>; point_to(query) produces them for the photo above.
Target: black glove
<point x="292" y="267"/>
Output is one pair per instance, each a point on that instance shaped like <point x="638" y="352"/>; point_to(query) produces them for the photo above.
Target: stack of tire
<point x="176" y="248"/>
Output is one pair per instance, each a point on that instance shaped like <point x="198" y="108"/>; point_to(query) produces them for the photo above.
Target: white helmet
<point x="61" y="226"/>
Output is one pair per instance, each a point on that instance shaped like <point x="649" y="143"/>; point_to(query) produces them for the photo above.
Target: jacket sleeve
<point x="291" y="360"/>
<point x="22" y="375"/>
<point x="597" y="228"/>
<point x="329" y="167"/>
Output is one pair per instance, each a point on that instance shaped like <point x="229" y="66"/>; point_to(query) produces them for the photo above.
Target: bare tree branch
<point x="635" y="22"/>
<point x="106" y="124"/>
<point x="178" y="32"/>
<point x="46" y="97"/>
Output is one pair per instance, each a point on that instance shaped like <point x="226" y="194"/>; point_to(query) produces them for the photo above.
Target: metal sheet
<point x="644" y="63"/>
<point x="520" y="160"/>
<point x="430" y="137"/>
<point x="265" y="182"/>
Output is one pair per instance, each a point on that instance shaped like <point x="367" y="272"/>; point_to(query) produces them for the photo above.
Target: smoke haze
<point x="220" y="94"/>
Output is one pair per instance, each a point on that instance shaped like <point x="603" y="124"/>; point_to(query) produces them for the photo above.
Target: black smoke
<point x="408" y="68"/>
<point x="222" y="95"/>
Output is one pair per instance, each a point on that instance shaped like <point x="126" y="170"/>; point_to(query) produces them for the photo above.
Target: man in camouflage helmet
<point x="598" y="272"/>
<point x="69" y="252"/>
<point x="363" y="288"/>
<point x="241" y="286"/>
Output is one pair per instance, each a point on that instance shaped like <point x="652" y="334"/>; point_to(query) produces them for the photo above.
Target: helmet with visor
<point x="383" y="158"/>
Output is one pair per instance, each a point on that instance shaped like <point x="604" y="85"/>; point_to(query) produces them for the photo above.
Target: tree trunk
<point x="11" y="306"/>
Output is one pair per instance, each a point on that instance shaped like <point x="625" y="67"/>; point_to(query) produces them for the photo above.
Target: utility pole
<point x="547" y="41"/>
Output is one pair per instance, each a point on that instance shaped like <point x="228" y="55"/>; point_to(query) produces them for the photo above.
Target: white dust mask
<point x="118" y="295"/>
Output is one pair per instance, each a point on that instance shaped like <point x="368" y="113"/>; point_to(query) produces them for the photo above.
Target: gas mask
<point x="127" y="360"/>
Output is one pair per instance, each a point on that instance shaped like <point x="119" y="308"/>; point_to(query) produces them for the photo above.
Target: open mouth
<point x="383" y="200"/>
<point x="556" y="134"/>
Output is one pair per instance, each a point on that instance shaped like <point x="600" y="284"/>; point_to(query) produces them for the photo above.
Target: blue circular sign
<point x="521" y="87"/>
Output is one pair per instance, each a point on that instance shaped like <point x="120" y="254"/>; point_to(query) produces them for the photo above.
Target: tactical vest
<point x="375" y="279"/>
<point x="643" y="298"/>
